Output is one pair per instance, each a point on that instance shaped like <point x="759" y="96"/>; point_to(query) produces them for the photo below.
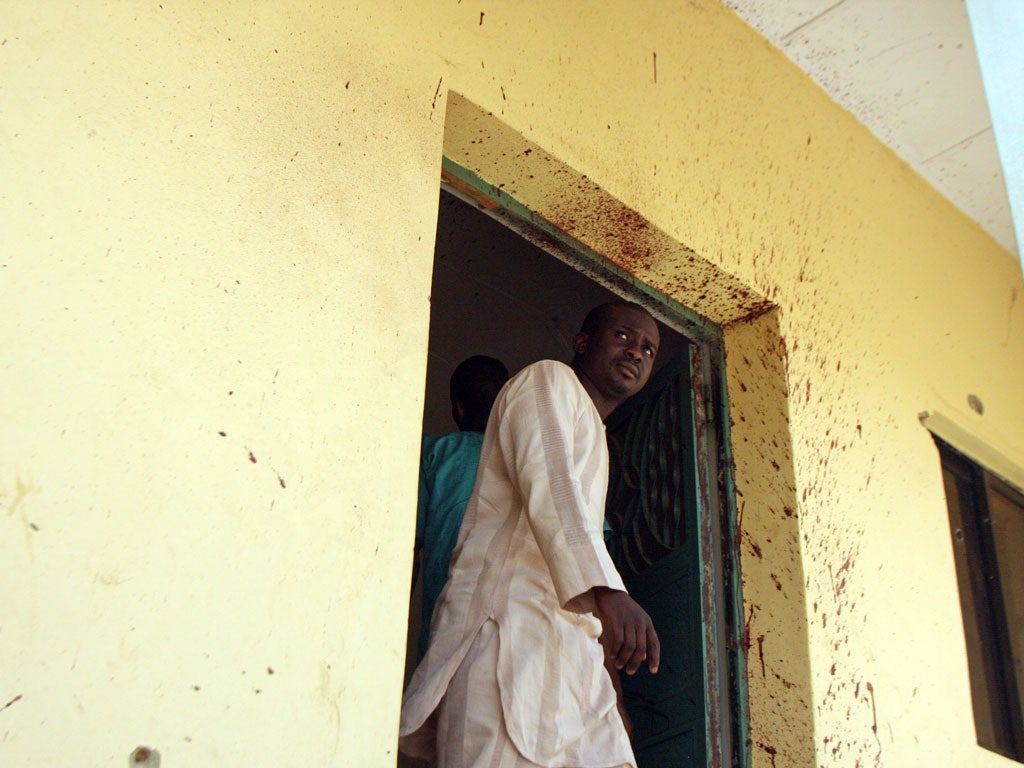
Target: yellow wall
<point x="218" y="218"/>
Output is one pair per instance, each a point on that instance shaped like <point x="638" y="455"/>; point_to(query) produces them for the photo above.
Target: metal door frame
<point x="727" y="718"/>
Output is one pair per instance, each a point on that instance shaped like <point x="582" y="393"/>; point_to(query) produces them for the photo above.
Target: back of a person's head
<point x="475" y="384"/>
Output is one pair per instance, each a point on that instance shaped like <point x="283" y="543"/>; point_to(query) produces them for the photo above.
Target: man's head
<point x="614" y="353"/>
<point x="473" y="386"/>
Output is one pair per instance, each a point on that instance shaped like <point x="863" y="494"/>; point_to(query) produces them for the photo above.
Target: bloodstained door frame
<point x="727" y="721"/>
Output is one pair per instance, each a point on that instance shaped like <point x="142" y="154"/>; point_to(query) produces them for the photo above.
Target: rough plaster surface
<point x="211" y="377"/>
<point x="219" y="219"/>
<point x="775" y="631"/>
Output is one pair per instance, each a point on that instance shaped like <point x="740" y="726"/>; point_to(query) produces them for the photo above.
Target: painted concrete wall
<point x="216" y="261"/>
<point x="218" y="222"/>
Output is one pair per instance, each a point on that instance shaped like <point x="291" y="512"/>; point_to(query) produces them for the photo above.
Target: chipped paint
<point x="13" y="701"/>
<point x="15" y="502"/>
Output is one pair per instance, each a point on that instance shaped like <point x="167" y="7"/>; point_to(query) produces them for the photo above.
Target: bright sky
<point x="998" y="27"/>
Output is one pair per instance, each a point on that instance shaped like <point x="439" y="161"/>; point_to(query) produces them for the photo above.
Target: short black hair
<point x="592" y="322"/>
<point x="475" y="383"/>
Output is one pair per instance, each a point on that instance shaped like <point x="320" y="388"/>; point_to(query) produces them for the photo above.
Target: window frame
<point x="995" y="690"/>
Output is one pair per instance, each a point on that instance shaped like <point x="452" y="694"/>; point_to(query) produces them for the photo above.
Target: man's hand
<point x="620" y="702"/>
<point x="627" y="632"/>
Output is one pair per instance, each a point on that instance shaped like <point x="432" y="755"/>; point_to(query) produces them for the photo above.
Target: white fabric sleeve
<point x="553" y="444"/>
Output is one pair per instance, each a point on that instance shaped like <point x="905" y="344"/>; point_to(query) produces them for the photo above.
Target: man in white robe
<point x="533" y="609"/>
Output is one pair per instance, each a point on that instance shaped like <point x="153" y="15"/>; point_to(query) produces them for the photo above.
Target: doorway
<point x="495" y="293"/>
<point x="501" y="288"/>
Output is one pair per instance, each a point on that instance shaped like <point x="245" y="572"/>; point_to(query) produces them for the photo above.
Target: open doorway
<point x="500" y="290"/>
<point x="495" y="293"/>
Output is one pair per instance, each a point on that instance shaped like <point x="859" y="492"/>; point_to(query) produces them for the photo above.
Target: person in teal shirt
<point x="448" y="466"/>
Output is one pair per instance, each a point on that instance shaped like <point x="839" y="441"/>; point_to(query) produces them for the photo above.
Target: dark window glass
<point x="986" y="517"/>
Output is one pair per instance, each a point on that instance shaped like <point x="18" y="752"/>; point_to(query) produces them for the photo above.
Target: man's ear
<point x="579" y="344"/>
<point x="458" y="412"/>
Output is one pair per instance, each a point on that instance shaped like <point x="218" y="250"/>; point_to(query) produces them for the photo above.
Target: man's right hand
<point x="627" y="632"/>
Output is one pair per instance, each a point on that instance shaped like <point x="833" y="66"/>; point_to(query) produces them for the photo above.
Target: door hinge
<point x="709" y="405"/>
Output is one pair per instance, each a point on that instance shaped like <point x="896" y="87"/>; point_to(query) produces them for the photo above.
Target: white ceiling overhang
<point x="908" y="70"/>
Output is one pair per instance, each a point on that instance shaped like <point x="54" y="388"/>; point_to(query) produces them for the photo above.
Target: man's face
<point x="617" y="359"/>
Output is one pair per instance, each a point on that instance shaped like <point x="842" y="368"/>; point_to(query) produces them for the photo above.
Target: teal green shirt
<point x="447" y="472"/>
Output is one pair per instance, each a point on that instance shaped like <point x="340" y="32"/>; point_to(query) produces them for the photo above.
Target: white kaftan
<point x="530" y="548"/>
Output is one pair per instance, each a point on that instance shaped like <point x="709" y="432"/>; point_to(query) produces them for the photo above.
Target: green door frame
<point x="727" y="718"/>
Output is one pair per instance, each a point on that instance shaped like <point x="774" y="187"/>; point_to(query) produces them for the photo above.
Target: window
<point x="986" y="518"/>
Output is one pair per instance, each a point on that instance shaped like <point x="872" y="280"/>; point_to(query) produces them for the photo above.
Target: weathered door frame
<point x="726" y="710"/>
